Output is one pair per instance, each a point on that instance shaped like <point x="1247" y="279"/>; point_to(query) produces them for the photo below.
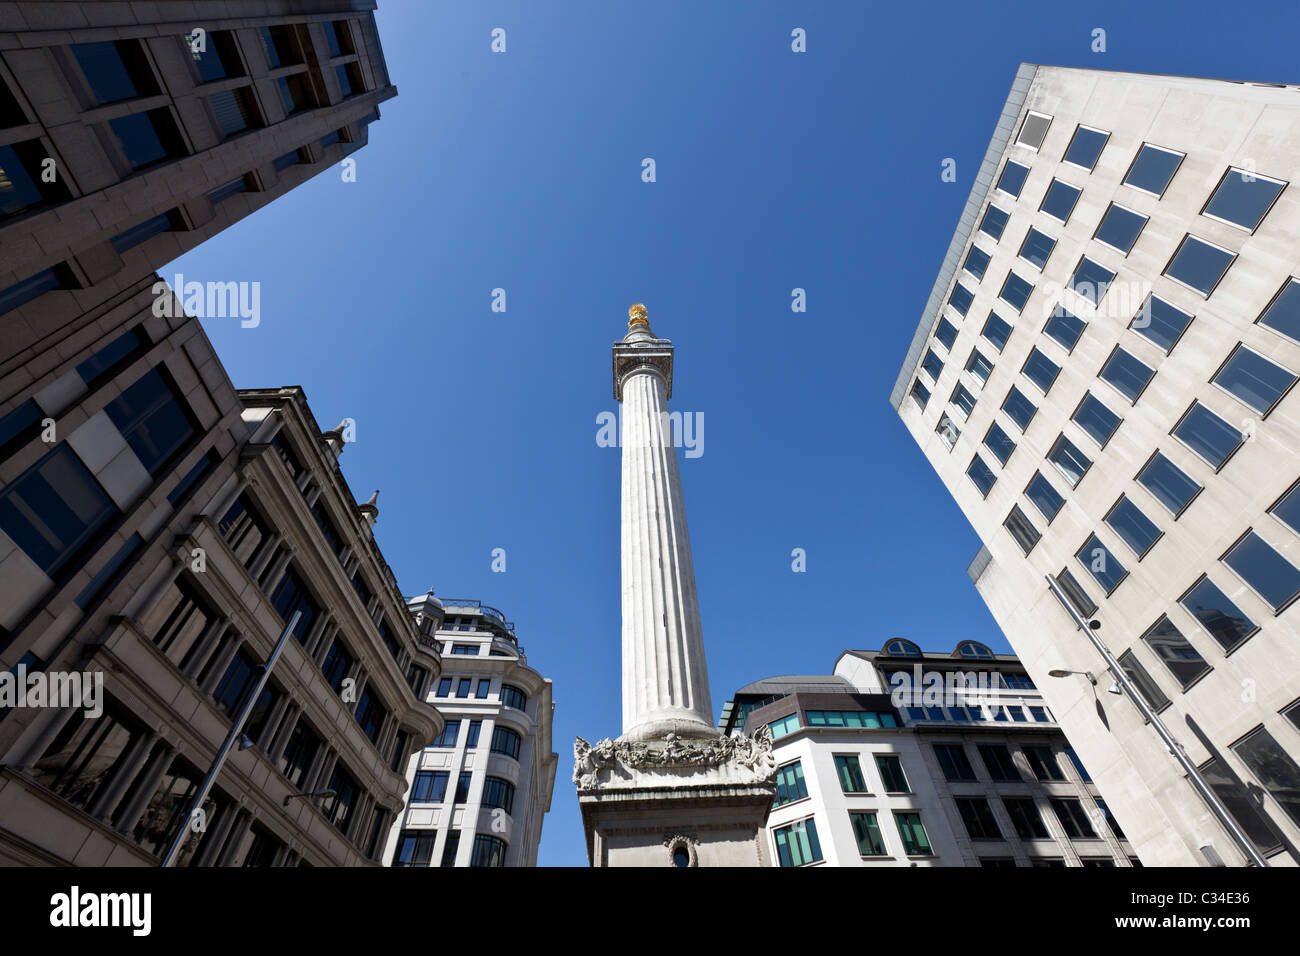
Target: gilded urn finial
<point x="636" y="316"/>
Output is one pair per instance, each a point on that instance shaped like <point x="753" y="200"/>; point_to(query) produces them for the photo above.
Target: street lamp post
<point x="236" y="732"/>
<point x="1198" y="782"/>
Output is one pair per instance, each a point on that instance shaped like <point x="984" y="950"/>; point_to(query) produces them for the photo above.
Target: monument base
<point x="675" y="801"/>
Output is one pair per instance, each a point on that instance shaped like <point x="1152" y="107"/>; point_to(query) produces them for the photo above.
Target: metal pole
<point x="1132" y="693"/>
<point x="237" y="728"/>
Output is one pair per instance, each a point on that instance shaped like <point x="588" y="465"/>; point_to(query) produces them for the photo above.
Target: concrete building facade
<point x="1102" y="378"/>
<point x="864" y="779"/>
<point x="478" y="794"/>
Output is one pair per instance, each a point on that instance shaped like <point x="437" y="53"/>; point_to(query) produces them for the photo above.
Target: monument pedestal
<point x="676" y="801"/>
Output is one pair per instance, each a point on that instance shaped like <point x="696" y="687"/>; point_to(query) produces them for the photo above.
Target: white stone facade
<point x="1235" y="714"/>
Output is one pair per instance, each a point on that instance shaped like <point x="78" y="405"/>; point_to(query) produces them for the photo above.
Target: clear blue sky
<point x="775" y="170"/>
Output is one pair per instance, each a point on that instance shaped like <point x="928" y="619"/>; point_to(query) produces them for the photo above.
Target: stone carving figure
<point x="588" y="761"/>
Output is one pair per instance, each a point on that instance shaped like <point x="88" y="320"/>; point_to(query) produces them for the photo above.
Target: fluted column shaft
<point x="665" y="679"/>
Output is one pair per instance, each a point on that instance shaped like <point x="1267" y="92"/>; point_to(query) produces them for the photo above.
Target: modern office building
<point x="157" y="529"/>
<point x="867" y="778"/>
<point x="477" y="794"/>
<point x="1102" y="378"/>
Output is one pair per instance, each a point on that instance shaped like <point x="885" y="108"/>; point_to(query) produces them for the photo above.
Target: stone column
<point x="665" y="680"/>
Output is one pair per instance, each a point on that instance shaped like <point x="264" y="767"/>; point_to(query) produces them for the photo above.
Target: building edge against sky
<point x="1102" y="379"/>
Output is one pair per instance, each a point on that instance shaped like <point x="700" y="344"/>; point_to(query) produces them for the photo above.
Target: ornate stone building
<point x="670" y="791"/>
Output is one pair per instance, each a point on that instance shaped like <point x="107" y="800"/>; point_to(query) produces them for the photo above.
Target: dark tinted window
<point x="1243" y="198"/>
<point x="1101" y="564"/>
<point x="1064" y="327"/>
<point x="1096" y="419"/>
<point x="982" y="475"/>
<point x="1012" y="179"/>
<point x="115" y="70"/>
<point x="1208" y="435"/>
<point x="1160" y="322"/>
<point x="1060" y="199"/>
<point x="1272" y="576"/>
<point x="1222" y="619"/>
<point x="1133" y="527"/>
<point x="1045" y="498"/>
<point x="1253" y="379"/>
<point x="1174" y="651"/>
<point x="1015" y="291"/>
<point x="1041" y="370"/>
<point x="1020" y="409"/>
<point x="54" y="508"/>
<point x="996" y="330"/>
<point x="1153" y="168"/>
<point x="1085" y="147"/>
<point x="1127" y="374"/>
<point x="148" y="138"/>
<point x="1037" y="247"/>
<point x="1091" y="280"/>
<point x="994" y="221"/>
<point x="977" y="262"/>
<point x="1282" y="314"/>
<point x="1199" y="264"/>
<point x="999" y="443"/>
<point x="1167" y="482"/>
<point x="1120" y="227"/>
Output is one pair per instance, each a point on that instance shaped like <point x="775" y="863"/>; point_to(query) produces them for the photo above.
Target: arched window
<point x="973" y="649"/>
<point x="506" y="741"/>
<point x="512" y="696"/>
<point x="901" y="648"/>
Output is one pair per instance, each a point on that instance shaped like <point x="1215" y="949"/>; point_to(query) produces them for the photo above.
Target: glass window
<point x="979" y="366"/>
<point x="1064" y="327"/>
<point x="891" y="773"/>
<point x="142" y="232"/>
<point x="952" y="758"/>
<point x="1033" y="129"/>
<point x="982" y="475"/>
<point x="1199" y="264"/>
<point x="946" y="333"/>
<point x="1175" y="652"/>
<point x="349" y="77"/>
<point x="299" y="752"/>
<point x="462" y="784"/>
<point x="148" y="139"/>
<point x="512" y="696"/>
<point x="998" y="762"/>
<point x="1287" y="509"/>
<point x="961" y="298"/>
<point x="994" y="221"/>
<point x="448" y="737"/>
<point x="1152" y="169"/>
<point x="1120" y="228"/>
<point x="996" y="330"/>
<point x="291" y="595"/>
<point x="932" y="364"/>
<point x="1078" y="765"/>
<point x="1042" y="762"/>
<point x="1060" y="199"/>
<point x="1091" y="280"/>
<point x="947" y="431"/>
<point x="1222" y="619"/>
<point x="293" y="93"/>
<point x="1147" y="687"/>
<point x="1085" y="147"/>
<point x="1241" y="804"/>
<point x="797" y="844"/>
<point x="1045" y="498"/>
<point x="506" y="741"/>
<point x="977" y="262"/>
<point x="115" y="70"/>
<point x="978" y="818"/>
<point x="850" y="774"/>
<point x="1208" y="435"/>
<point x="234" y="111"/>
<point x="963" y="400"/>
<point x="999" y="443"/>
<point x="1015" y="291"/>
<point x="1012" y="179"/>
<point x="499" y="794"/>
<point x="790" y="784"/>
<point x="1103" y="565"/>
<point x="280" y="47"/>
<point x="1133" y="527"/>
<point x="339" y="808"/>
<point x="414" y="848"/>
<point x="450" y="847"/>
<point x="920" y="393"/>
<point x="1168" y="484"/>
<point x="1253" y="379"/>
<point x="1096" y="419"/>
<point x="867" y="832"/>
<point x="1041" y="370"/>
<point x="1085" y="605"/>
<point x="54" y="508"/>
<point x="338" y="37"/>
<point x="219" y="59"/>
<point x="1282" y="314"/>
<point x="430" y="786"/>
<point x="488" y="851"/>
<point x="784" y="725"/>
<point x="1037" y="247"/>
<point x="1270" y="575"/>
<point x="1074" y="821"/>
<point x="1020" y="409"/>
<point x="1243" y="198"/>
<point x="1025" y="818"/>
<point x="152" y="420"/>
<point x="25" y="191"/>
<point x="1273" y="767"/>
<point x="1020" y="528"/>
<point x="915" y="841"/>
<point x="1069" y="461"/>
<point x="1160" y="322"/>
<point x="11" y="114"/>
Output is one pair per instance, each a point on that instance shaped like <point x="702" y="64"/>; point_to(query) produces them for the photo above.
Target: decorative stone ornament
<point x="681" y="850"/>
<point x="610" y="763"/>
